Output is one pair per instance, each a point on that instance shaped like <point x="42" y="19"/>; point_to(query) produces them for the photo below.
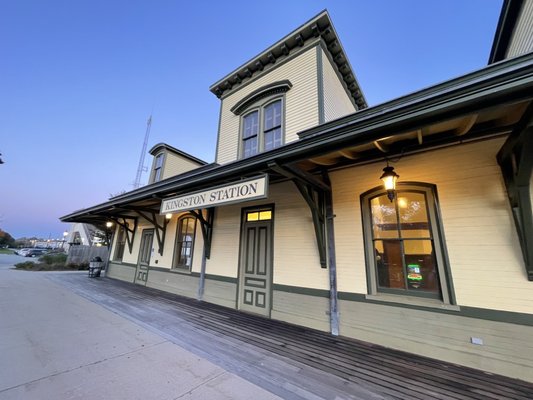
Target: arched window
<point x="404" y="243"/>
<point x="184" y="242"/>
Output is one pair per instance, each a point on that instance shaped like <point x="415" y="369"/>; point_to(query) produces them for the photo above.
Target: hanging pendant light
<point x="389" y="178"/>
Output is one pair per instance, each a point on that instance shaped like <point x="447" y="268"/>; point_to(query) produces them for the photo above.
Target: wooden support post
<point x="206" y="226"/>
<point x="332" y="260"/>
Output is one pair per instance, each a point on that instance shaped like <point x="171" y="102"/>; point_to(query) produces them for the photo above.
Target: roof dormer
<point x="303" y="80"/>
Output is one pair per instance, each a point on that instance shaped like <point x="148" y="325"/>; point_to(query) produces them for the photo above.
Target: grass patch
<point x="6" y="251"/>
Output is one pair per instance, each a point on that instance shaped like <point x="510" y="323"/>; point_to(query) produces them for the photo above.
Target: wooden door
<point x="255" y="278"/>
<point x="145" y="252"/>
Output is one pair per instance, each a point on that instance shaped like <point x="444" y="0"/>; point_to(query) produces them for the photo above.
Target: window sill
<point x="412" y="301"/>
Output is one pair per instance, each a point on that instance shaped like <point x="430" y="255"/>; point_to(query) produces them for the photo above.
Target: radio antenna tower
<point x="141" y="168"/>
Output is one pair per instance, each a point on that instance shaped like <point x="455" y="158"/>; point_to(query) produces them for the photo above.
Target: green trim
<point x="320" y="85"/>
<point x="172" y="271"/>
<point x="465" y="311"/>
<point x="218" y="131"/>
<point x="301" y="290"/>
<point x="219" y="278"/>
<point x="123" y="264"/>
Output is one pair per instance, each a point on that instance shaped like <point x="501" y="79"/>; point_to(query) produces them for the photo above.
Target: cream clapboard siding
<point x="165" y="261"/>
<point x="336" y="101"/>
<point x="485" y="257"/>
<point x="176" y="164"/>
<point x="522" y="39"/>
<point x="132" y="257"/>
<point x="507" y="348"/>
<point x="296" y="261"/>
<point x="301" y="105"/>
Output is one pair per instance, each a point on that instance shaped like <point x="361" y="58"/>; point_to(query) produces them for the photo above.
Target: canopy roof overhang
<point x="482" y="104"/>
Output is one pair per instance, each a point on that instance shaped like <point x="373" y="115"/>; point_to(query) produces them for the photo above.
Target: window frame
<point x="120" y="244"/>
<point x="177" y="242"/>
<point x="157" y="169"/>
<point x="259" y="107"/>
<point x="438" y="240"/>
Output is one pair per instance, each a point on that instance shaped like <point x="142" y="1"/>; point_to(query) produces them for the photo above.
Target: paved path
<point x="55" y="344"/>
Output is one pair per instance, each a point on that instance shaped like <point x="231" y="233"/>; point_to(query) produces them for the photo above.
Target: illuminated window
<point x="258" y="215"/>
<point x="404" y="248"/>
<point x="184" y="242"/>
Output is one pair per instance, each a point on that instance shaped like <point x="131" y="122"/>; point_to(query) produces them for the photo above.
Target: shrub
<point x="54" y="258"/>
<point x="25" y="265"/>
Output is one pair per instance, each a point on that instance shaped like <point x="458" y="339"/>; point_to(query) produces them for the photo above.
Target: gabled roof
<point x="163" y="146"/>
<point x="318" y="26"/>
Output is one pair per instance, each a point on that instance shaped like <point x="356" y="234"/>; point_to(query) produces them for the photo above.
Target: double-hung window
<point x="404" y="243"/>
<point x="158" y="167"/>
<point x="262" y="128"/>
<point x="184" y="242"/>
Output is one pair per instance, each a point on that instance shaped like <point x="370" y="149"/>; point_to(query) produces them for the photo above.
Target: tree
<point x="6" y="240"/>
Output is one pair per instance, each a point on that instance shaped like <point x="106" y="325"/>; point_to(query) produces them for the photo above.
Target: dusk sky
<point x="79" y="79"/>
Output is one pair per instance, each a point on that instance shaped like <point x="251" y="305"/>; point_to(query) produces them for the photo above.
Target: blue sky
<point x="79" y="79"/>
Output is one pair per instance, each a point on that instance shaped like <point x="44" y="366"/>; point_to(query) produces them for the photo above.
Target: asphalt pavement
<point x="57" y="345"/>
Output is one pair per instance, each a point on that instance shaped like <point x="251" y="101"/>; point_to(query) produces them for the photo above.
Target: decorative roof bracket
<point x="516" y="162"/>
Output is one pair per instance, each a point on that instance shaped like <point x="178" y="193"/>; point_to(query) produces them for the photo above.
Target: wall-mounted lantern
<point x="389" y="178"/>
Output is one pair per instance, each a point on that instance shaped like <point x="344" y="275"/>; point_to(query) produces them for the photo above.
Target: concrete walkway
<point x="55" y="344"/>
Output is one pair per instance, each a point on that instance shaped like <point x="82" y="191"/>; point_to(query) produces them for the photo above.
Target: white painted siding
<point x="301" y="105"/>
<point x="336" y="101"/>
<point x="522" y="39"/>
<point x="485" y="257"/>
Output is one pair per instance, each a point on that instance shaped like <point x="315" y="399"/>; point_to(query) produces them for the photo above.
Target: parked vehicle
<point x="35" y="252"/>
<point x="22" y="252"/>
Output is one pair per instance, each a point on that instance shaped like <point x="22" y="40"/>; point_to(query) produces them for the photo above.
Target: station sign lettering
<point x="245" y="190"/>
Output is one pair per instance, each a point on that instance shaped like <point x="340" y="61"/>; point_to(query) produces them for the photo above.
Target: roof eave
<point x="508" y="81"/>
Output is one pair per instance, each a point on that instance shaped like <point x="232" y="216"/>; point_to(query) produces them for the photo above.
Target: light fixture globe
<point x="389" y="178"/>
<point x="108" y="224"/>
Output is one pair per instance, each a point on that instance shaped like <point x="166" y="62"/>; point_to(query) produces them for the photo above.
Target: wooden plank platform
<point x="291" y="361"/>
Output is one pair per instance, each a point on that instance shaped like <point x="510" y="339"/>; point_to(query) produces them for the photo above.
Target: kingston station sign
<point x="245" y="190"/>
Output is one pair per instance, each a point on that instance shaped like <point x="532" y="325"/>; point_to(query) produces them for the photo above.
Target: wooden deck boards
<point x="293" y="361"/>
